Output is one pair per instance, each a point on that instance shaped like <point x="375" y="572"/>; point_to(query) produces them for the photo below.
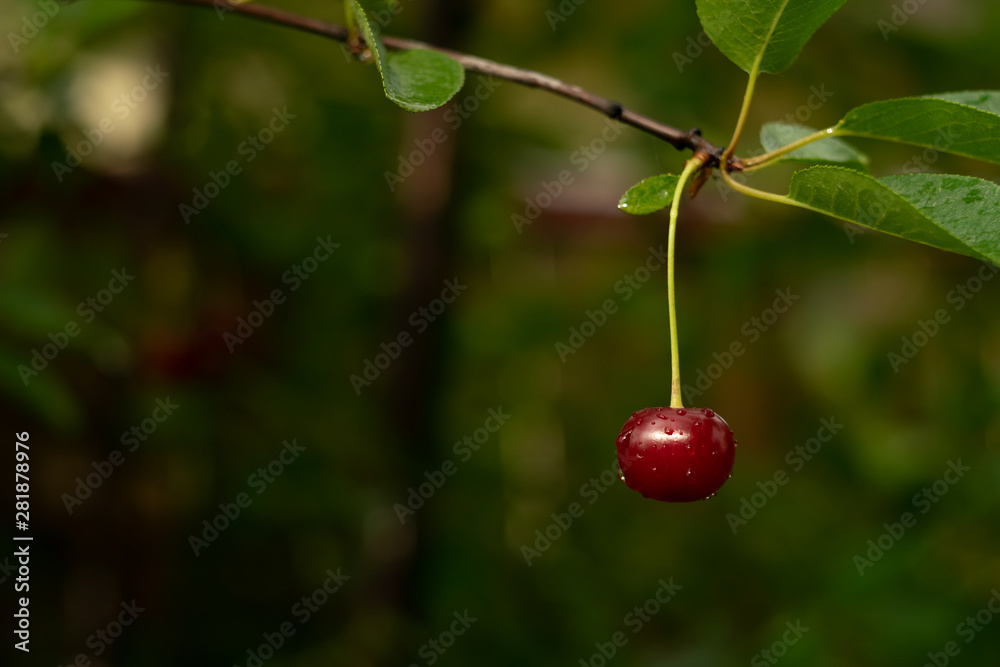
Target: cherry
<point x="676" y="454"/>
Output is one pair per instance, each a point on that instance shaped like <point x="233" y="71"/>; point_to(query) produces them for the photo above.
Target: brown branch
<point x="681" y="140"/>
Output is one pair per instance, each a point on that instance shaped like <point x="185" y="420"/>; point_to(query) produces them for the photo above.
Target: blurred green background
<point x="323" y="175"/>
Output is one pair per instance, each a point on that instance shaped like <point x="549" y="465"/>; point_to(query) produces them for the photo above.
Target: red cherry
<point x="676" y="454"/>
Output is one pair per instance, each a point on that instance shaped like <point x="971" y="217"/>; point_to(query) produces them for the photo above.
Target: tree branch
<point x="681" y="140"/>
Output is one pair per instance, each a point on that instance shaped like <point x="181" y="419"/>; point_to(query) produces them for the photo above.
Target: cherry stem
<point x="691" y="166"/>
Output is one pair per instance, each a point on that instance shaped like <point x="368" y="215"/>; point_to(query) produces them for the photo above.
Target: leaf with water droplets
<point x="649" y="195"/>
<point x="825" y="151"/>
<point x="416" y="80"/>
<point x="964" y="123"/>
<point x="960" y="214"/>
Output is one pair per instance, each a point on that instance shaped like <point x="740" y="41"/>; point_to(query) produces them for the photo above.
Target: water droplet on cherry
<point x="692" y="464"/>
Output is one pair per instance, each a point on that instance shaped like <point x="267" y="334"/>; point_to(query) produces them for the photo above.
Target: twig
<point x="679" y="139"/>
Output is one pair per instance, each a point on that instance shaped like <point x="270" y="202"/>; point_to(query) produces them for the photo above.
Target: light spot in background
<point x="585" y="179"/>
<point x="116" y="105"/>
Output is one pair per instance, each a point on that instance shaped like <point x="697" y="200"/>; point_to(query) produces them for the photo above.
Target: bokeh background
<point x="494" y="348"/>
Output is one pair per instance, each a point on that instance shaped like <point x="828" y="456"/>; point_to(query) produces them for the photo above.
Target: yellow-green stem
<point x="744" y="111"/>
<point x="753" y="163"/>
<point x="692" y="165"/>
<point x="753" y="192"/>
<point x="767" y="196"/>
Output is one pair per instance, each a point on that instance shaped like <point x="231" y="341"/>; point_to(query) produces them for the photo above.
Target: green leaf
<point x="649" y="195"/>
<point x="987" y="100"/>
<point x="960" y="214"/>
<point x="421" y="80"/>
<point x="417" y="80"/>
<point x="765" y="35"/>
<point x="967" y="207"/>
<point x="830" y="150"/>
<point x="964" y="123"/>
